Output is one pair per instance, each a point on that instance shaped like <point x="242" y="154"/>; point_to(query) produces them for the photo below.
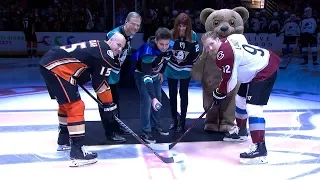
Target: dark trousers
<point x="111" y="127"/>
<point x="173" y="93"/>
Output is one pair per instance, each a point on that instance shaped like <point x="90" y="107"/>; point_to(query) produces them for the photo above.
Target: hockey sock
<point x="29" y="48"/>
<point x="29" y="52"/>
<point x="62" y="116"/>
<point x="34" y="49"/>
<point x="305" y="54"/>
<point x="241" y="112"/>
<point x="256" y="123"/>
<point x="314" y="54"/>
<point x="292" y="47"/>
<point x="75" y="120"/>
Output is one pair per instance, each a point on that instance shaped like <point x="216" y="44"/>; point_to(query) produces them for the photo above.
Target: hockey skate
<point x="236" y="135"/>
<point x="80" y="156"/>
<point x="256" y="155"/>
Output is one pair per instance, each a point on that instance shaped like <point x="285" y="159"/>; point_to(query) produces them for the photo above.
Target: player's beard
<point x="212" y="54"/>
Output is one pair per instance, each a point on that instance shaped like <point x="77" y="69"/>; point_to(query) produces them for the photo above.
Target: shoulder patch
<point x="220" y="55"/>
<point x="235" y="43"/>
<point x="110" y="53"/>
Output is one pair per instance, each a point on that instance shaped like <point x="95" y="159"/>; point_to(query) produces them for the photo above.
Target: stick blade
<point x="160" y="147"/>
<point x="282" y="67"/>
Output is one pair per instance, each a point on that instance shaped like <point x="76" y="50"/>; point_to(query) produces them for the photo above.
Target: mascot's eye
<point x="216" y="23"/>
<point x="231" y="22"/>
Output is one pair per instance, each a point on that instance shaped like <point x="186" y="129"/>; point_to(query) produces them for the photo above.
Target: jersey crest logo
<point x="220" y="55"/>
<point x="110" y="53"/>
<point x="180" y="56"/>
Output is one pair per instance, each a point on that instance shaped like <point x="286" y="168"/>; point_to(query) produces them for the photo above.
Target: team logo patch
<point x="110" y="53"/>
<point x="180" y="56"/>
<point x="220" y="55"/>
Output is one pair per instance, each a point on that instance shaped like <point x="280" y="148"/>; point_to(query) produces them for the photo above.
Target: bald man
<point x="60" y="68"/>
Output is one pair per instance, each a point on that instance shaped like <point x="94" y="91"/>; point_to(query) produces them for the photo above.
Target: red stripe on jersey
<point x="66" y="71"/>
<point x="271" y="68"/>
<point x="58" y="60"/>
<point x="225" y="61"/>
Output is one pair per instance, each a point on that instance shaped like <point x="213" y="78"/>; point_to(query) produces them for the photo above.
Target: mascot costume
<point x="225" y="22"/>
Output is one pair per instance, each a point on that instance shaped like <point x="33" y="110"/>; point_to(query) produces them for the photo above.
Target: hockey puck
<point x="158" y="106"/>
<point x="180" y="157"/>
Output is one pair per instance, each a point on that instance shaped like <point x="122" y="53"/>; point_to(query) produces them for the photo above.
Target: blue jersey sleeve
<point x="146" y="68"/>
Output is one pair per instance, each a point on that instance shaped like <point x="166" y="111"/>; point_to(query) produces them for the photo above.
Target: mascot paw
<point x="225" y="128"/>
<point x="211" y="128"/>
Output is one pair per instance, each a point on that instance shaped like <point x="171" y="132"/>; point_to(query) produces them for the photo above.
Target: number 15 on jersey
<point x="105" y="71"/>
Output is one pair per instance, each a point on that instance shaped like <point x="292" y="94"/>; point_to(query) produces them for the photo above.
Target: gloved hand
<point x="218" y="97"/>
<point x="110" y="111"/>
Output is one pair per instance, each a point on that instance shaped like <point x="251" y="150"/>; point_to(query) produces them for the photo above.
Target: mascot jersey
<point x="150" y="61"/>
<point x="72" y="61"/>
<point x="185" y="54"/>
<point x="241" y="61"/>
<point x="115" y="75"/>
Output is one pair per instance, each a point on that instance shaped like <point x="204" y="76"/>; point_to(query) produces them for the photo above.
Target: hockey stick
<point x="292" y="54"/>
<point x="177" y="158"/>
<point x="166" y="147"/>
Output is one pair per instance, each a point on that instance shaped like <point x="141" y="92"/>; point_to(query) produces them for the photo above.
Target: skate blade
<point x="241" y="139"/>
<point x="63" y="148"/>
<point x="253" y="161"/>
<point x="81" y="162"/>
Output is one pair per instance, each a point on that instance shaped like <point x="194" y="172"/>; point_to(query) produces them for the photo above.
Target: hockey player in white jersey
<point x="308" y="27"/>
<point x="291" y="31"/>
<point x="256" y="69"/>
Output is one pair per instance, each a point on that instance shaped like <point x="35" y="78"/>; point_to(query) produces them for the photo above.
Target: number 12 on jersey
<point x="226" y="69"/>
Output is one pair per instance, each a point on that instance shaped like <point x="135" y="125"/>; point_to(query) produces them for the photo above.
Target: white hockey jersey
<point x="241" y="61"/>
<point x="308" y="25"/>
<point x="291" y="29"/>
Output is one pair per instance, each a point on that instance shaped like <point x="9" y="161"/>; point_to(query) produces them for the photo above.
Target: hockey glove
<point x="110" y="111"/>
<point x="218" y="97"/>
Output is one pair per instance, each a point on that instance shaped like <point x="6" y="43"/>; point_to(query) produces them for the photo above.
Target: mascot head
<point x="224" y="21"/>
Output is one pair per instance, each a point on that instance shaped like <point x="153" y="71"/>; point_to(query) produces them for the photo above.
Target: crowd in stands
<point x="63" y="16"/>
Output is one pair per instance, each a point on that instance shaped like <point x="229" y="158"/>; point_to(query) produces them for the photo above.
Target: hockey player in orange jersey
<point x="60" y="68"/>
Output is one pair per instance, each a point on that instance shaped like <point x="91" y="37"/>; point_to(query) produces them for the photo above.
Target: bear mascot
<point x="225" y="22"/>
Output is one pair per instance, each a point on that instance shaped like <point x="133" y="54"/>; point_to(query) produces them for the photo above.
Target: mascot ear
<point x="244" y="13"/>
<point x="205" y="14"/>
